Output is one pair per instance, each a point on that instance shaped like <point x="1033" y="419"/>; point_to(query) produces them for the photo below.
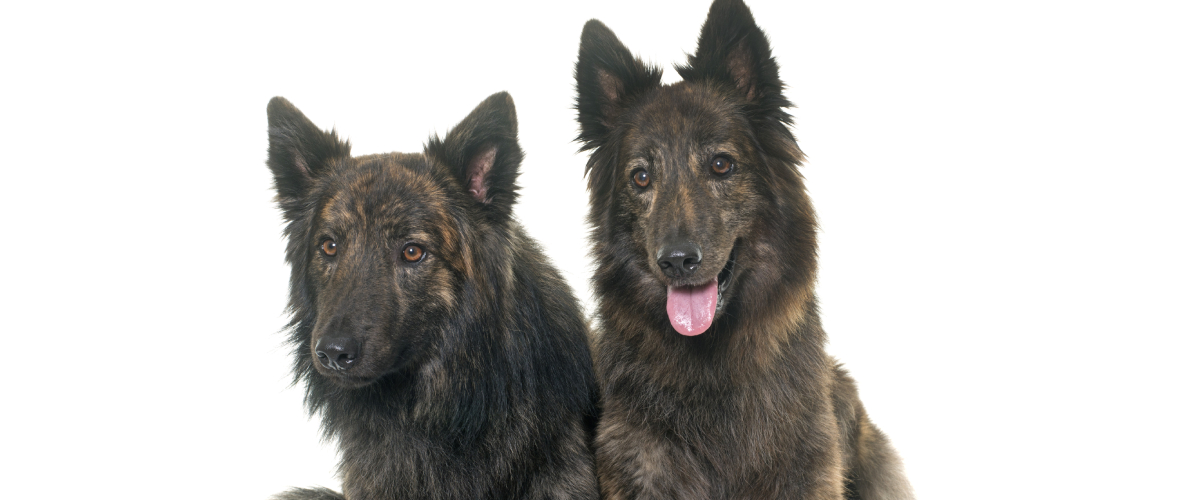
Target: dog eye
<point x="722" y="165"/>
<point x="412" y="253"/>
<point x="328" y="247"/>
<point x="641" y="178"/>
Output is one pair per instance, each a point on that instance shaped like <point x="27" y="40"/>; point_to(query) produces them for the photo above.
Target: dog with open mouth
<point x="710" y="355"/>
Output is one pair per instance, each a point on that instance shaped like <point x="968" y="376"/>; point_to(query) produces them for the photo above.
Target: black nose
<point x="337" y="353"/>
<point x="679" y="259"/>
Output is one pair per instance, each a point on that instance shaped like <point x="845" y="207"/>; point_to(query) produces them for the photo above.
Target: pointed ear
<point x="299" y="151"/>
<point x="608" y="77"/>
<point x="483" y="154"/>
<point x="732" y="49"/>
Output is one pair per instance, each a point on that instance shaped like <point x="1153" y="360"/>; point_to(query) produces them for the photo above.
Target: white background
<point x="996" y="183"/>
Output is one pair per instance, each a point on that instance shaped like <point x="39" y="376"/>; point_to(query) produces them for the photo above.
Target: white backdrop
<point x="996" y="184"/>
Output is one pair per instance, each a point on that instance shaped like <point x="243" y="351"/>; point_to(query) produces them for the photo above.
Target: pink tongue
<point x="691" y="308"/>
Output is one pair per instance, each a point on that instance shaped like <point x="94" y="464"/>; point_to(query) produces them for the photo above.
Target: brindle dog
<point x="711" y="357"/>
<point x="442" y="350"/>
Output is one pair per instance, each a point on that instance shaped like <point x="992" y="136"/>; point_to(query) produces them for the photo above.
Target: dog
<point x="442" y="350"/>
<point x="711" y="361"/>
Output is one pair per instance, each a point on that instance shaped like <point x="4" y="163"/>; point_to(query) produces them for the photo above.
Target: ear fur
<point x="608" y="77"/>
<point x="299" y="151"/>
<point x="482" y="153"/>
<point x="734" y="52"/>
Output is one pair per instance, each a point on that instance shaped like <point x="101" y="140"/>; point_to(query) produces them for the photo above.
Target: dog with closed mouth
<point x="711" y="362"/>
<point x="443" y="352"/>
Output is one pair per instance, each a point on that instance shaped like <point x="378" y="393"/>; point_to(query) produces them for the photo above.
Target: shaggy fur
<point x="443" y="352"/>
<point x="753" y="407"/>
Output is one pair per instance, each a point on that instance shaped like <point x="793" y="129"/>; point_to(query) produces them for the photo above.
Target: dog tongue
<point x="691" y="308"/>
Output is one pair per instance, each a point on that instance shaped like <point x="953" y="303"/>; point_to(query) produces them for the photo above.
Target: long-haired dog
<point x="711" y="358"/>
<point x="443" y="352"/>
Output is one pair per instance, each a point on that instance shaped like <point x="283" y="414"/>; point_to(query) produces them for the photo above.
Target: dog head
<point x="380" y="265"/>
<point x="695" y="181"/>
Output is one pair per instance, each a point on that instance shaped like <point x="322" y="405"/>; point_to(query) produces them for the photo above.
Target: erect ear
<point x="732" y="49"/>
<point x="483" y="155"/>
<point x="608" y="77"/>
<point x="299" y="151"/>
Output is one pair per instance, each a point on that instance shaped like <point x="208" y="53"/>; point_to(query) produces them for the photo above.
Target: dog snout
<point x="679" y="259"/>
<point x="338" y="353"/>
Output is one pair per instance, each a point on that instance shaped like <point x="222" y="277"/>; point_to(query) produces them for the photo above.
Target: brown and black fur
<point x="753" y="408"/>
<point x="459" y="369"/>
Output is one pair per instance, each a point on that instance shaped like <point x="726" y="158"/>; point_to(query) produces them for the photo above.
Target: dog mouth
<point x="350" y="381"/>
<point x="347" y="378"/>
<point x="692" y="308"/>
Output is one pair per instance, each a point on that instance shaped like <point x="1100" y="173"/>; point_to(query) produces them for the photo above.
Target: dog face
<point x="377" y="243"/>
<point x="686" y="175"/>
<point x="383" y="263"/>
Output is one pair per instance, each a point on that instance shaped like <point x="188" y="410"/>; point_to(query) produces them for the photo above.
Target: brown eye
<point x="328" y="247"/>
<point x="641" y="178"/>
<point x="412" y="253"/>
<point x="722" y="165"/>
